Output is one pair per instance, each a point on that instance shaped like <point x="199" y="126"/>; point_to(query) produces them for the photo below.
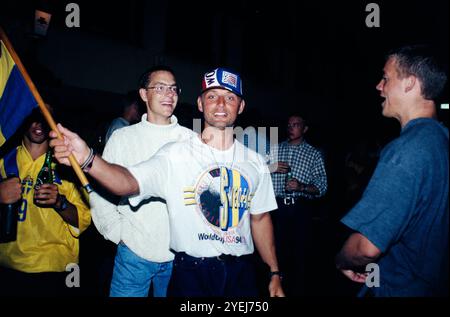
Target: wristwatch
<point x="276" y="273"/>
<point x="63" y="203"/>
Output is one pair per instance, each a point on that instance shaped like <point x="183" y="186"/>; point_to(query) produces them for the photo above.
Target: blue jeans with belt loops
<point x="228" y="276"/>
<point x="133" y="275"/>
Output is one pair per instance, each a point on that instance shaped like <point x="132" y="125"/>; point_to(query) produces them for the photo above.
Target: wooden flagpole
<point x="43" y="108"/>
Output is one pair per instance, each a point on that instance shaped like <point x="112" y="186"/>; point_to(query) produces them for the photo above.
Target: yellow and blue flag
<point x="16" y="99"/>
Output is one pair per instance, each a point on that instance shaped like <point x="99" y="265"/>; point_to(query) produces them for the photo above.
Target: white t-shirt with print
<point x="210" y="195"/>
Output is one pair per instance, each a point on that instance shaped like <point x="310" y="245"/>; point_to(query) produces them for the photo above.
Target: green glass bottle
<point x="288" y="177"/>
<point x="8" y="219"/>
<point x="45" y="175"/>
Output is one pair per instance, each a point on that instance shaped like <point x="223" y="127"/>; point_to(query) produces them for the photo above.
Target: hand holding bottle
<point x="282" y="167"/>
<point x="10" y="200"/>
<point x="10" y="190"/>
<point x="46" y="195"/>
<point x="45" y="192"/>
<point x="293" y="185"/>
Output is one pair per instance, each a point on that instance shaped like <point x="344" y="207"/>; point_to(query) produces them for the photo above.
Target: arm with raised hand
<point x="115" y="178"/>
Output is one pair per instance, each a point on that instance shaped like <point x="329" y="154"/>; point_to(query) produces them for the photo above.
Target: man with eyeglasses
<point x="142" y="233"/>
<point x="298" y="175"/>
<point x="218" y="192"/>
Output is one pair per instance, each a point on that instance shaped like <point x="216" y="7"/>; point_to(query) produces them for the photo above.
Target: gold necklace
<point x="214" y="157"/>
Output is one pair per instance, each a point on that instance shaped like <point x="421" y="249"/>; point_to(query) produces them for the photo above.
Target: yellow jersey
<point x="45" y="242"/>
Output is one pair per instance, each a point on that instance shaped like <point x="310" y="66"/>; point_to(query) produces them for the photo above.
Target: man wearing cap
<point x="218" y="194"/>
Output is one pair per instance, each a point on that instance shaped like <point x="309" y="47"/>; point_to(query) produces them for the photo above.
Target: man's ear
<point x="410" y="82"/>
<point x="241" y="106"/>
<point x="305" y="129"/>
<point x="199" y="104"/>
<point x="143" y="94"/>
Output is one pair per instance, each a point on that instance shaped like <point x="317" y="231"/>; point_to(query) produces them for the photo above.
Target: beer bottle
<point x="288" y="177"/>
<point x="9" y="214"/>
<point x="45" y="175"/>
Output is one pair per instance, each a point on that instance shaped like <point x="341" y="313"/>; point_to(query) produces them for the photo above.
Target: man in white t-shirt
<point x="218" y="194"/>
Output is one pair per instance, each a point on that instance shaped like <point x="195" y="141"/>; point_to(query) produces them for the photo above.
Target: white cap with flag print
<point x="222" y="78"/>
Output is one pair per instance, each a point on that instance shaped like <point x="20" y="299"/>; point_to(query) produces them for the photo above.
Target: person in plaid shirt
<point x="299" y="176"/>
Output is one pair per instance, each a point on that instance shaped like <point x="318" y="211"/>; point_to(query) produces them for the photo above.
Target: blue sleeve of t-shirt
<point x="386" y="207"/>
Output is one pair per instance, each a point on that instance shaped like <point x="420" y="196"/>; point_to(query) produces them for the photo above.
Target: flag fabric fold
<point x="16" y="99"/>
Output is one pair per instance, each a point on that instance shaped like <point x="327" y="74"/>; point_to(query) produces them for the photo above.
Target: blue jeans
<point x="205" y="277"/>
<point x="133" y="275"/>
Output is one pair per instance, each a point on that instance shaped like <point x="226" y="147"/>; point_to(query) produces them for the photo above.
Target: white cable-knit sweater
<point x="145" y="230"/>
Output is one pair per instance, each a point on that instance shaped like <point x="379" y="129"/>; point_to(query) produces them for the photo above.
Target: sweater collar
<point x="172" y="124"/>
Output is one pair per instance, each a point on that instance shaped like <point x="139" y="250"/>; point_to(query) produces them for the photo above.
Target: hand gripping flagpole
<point x="43" y="108"/>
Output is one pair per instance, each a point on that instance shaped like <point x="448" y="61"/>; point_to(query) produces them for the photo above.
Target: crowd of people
<point x="201" y="214"/>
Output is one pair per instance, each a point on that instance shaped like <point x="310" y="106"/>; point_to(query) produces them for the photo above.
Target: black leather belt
<point x="287" y="201"/>
<point x="222" y="257"/>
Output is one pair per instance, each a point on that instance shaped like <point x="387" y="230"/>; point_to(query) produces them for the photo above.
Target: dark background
<point x="314" y="57"/>
<point x="318" y="57"/>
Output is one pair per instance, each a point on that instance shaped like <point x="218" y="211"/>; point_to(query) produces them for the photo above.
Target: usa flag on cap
<point x="222" y="78"/>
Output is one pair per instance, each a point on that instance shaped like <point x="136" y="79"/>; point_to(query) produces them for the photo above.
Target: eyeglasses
<point x="294" y="125"/>
<point x="164" y="89"/>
